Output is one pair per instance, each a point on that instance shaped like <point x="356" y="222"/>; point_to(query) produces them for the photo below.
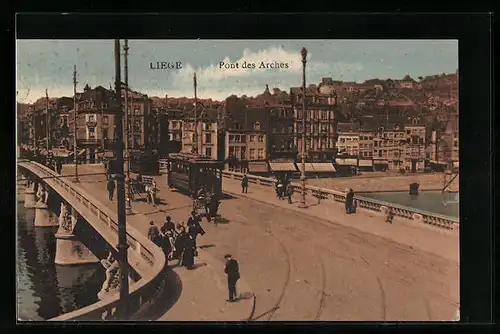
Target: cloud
<point x="233" y="76"/>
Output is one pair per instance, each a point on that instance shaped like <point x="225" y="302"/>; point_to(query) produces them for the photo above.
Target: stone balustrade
<point x="361" y="202"/>
<point x="145" y="258"/>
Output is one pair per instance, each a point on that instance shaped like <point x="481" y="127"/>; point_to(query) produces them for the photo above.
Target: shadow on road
<point x="165" y="300"/>
<point x="207" y="246"/>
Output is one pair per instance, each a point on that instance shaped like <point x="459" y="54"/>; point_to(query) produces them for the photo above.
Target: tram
<point x="144" y="163"/>
<point x="189" y="173"/>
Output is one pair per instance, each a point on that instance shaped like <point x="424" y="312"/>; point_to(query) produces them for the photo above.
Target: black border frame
<point x="474" y="32"/>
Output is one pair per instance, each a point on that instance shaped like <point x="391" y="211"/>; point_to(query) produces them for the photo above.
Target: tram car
<point x="189" y="172"/>
<point x="144" y="163"/>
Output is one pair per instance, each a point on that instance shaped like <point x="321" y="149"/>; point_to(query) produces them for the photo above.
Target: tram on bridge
<point x="189" y="173"/>
<point x="144" y="163"/>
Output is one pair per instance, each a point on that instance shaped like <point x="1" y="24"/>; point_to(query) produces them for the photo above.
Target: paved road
<point x="304" y="268"/>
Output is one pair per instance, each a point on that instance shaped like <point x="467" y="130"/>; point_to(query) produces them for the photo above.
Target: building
<point x="347" y="143"/>
<point x="200" y="133"/>
<point x="142" y="121"/>
<point x="389" y="149"/>
<point x="414" y="159"/>
<point x="365" y="150"/>
<point x="243" y="131"/>
<point x="95" y="123"/>
<point x="321" y="124"/>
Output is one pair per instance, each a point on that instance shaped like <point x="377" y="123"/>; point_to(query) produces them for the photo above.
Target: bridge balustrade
<point x="145" y="258"/>
<point x="362" y="202"/>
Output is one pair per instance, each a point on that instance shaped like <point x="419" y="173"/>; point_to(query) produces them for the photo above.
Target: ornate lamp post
<point x="128" y="208"/>
<point x="75" y="119"/>
<point x="120" y="189"/>
<point x="303" y="171"/>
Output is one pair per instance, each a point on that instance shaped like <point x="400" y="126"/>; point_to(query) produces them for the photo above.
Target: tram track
<point x="270" y="313"/>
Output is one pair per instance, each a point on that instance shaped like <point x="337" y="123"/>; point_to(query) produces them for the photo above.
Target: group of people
<point x="177" y="241"/>
<point x="209" y="201"/>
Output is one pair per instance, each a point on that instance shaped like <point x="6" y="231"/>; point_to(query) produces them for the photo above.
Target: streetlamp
<point x="120" y="189"/>
<point x="75" y="119"/>
<point x="127" y="134"/>
<point x="303" y="204"/>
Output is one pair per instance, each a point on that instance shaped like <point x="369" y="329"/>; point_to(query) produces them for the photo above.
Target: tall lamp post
<point x="120" y="189"/>
<point x="47" y="120"/>
<point x="75" y="119"/>
<point x="127" y="132"/>
<point x="303" y="204"/>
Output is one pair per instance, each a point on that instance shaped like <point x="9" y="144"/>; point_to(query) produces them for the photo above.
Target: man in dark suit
<point x="233" y="275"/>
<point x="111" y="188"/>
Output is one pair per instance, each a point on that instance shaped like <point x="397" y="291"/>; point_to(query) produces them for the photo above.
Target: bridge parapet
<point x="147" y="259"/>
<point x="362" y="202"/>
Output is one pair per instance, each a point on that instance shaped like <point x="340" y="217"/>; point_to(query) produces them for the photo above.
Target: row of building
<point x="255" y="137"/>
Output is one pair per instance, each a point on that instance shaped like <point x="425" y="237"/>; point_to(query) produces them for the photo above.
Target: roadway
<point x="303" y="267"/>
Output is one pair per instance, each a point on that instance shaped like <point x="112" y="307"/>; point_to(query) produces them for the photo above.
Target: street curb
<point x="242" y="283"/>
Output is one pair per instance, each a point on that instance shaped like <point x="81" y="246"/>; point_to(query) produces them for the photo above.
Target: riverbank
<point x="381" y="182"/>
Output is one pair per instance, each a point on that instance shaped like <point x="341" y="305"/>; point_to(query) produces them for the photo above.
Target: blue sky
<point x="48" y="64"/>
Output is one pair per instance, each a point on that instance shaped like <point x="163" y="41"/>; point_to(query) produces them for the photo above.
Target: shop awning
<point x="380" y="162"/>
<point x="323" y="167"/>
<point x="258" y="167"/>
<point x="282" y="166"/>
<point x="346" y="162"/>
<point x="309" y="167"/>
<point x="365" y="163"/>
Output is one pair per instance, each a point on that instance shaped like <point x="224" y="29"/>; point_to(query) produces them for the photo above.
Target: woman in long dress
<point x="179" y="243"/>
<point x="188" y="254"/>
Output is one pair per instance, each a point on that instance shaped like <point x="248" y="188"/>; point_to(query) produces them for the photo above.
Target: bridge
<point x="299" y="264"/>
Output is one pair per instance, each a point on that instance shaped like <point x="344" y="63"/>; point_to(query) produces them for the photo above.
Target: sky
<point x="48" y="64"/>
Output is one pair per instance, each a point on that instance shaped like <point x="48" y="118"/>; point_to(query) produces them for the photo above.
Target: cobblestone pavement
<point x="302" y="267"/>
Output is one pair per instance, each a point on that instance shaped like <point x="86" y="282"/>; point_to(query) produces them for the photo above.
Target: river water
<point x="46" y="290"/>
<point x="431" y="201"/>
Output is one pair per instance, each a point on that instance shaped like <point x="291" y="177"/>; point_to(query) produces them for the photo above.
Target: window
<point x="324" y="115"/>
<point x="208" y="151"/>
<point x="256" y="126"/>
<point x="252" y="154"/>
<point x="91" y="133"/>
<point x="260" y="153"/>
<point x="380" y="154"/>
<point x="208" y="139"/>
<point x="91" y="118"/>
<point x="342" y="140"/>
<point x="243" y="138"/>
<point x="105" y="119"/>
<point x="261" y="139"/>
<point x="252" y="138"/>
<point x="231" y="139"/>
<point x="104" y="133"/>
<point x="174" y="124"/>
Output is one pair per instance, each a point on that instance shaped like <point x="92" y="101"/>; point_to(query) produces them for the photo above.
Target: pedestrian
<point x="244" y="184"/>
<point x="111" y="188"/>
<point x="188" y="253"/>
<point x="194" y="228"/>
<point x="349" y="198"/>
<point x="179" y="242"/>
<point x="59" y="166"/>
<point x="289" y="191"/>
<point x="232" y="271"/>
<point x="279" y="189"/>
<point x="154" y="233"/>
<point x="168" y="244"/>
<point x="168" y="225"/>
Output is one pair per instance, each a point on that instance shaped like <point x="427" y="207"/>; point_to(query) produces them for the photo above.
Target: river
<point x="46" y="290"/>
<point x="431" y="201"/>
